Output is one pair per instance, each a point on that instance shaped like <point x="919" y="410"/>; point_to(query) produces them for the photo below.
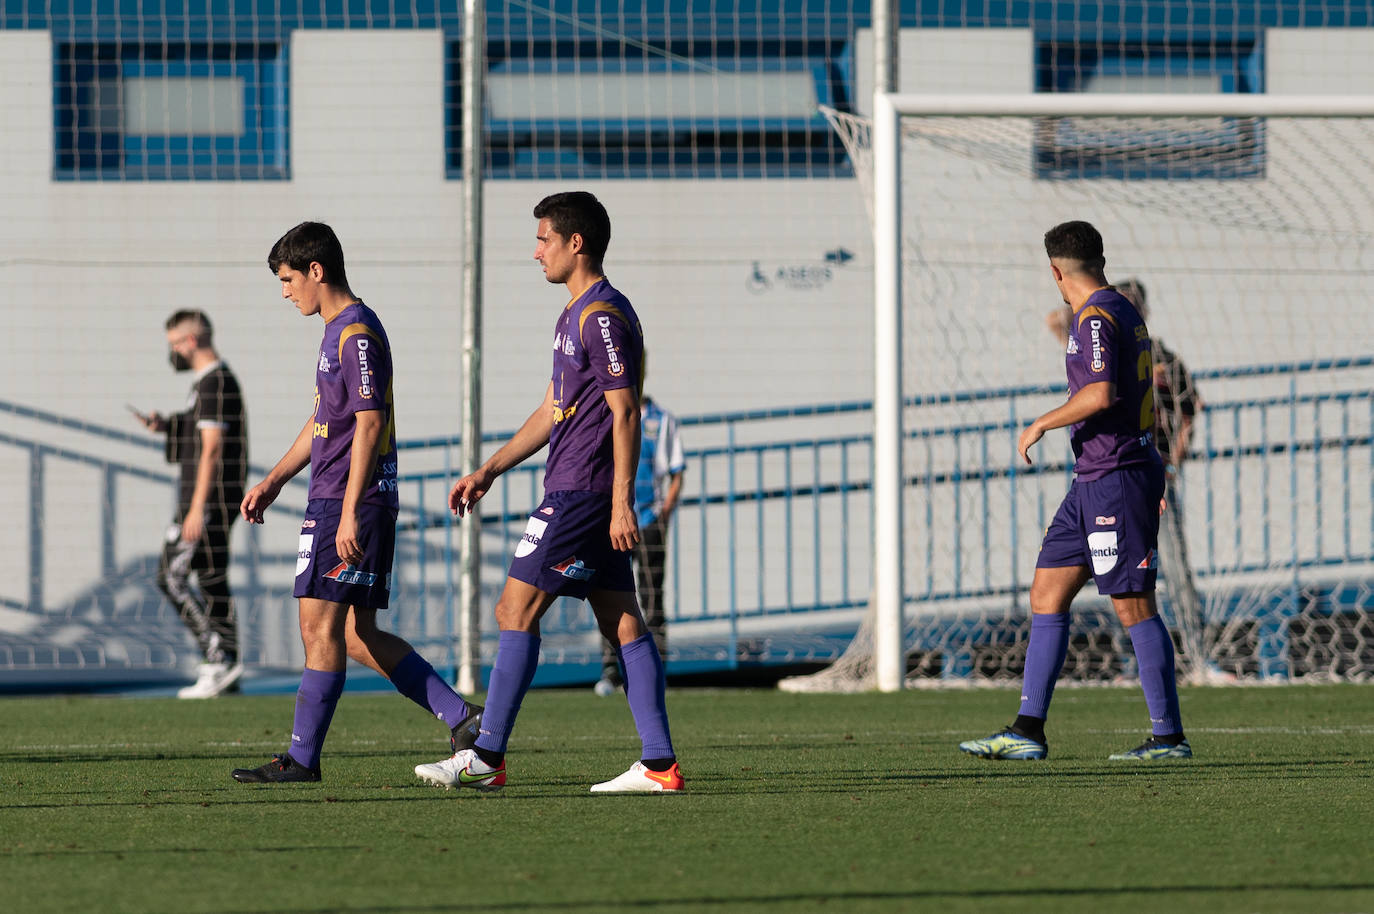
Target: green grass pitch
<point x="794" y="803"/>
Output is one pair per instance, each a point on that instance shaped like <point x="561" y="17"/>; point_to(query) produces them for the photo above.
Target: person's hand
<point x="1029" y="437"/>
<point x="153" y="422"/>
<point x="193" y="525"/>
<point x="624" y="529"/>
<point x="346" y="541"/>
<point x="258" y="499"/>
<point x="467" y="491"/>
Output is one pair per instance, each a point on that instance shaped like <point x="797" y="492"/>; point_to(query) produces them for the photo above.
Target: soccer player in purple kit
<point x="1108" y="524"/>
<point x="348" y="536"/>
<point x="577" y="543"/>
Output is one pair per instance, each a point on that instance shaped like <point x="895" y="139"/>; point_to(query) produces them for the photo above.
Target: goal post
<point x="888" y="567"/>
<point x="1272" y="189"/>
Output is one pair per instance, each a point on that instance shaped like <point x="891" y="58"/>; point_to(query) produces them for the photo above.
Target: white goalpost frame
<point x="888" y="567"/>
<point x="888" y="110"/>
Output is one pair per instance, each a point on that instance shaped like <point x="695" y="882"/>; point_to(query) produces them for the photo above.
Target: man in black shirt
<point x="209" y="442"/>
<point x="1176" y="406"/>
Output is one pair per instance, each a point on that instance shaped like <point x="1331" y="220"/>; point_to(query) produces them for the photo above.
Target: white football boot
<point x="641" y="780"/>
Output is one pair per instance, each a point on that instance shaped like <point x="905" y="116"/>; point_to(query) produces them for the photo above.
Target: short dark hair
<point x="577" y="212"/>
<point x="203" y="333"/>
<point x="1134" y="290"/>
<point x="307" y="243"/>
<point x="1076" y="241"/>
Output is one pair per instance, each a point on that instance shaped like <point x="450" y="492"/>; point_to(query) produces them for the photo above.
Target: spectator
<point x="209" y="442"/>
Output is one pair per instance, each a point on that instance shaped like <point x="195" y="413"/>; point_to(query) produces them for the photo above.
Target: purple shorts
<point x="566" y="547"/>
<point x="1111" y="526"/>
<point x="319" y="573"/>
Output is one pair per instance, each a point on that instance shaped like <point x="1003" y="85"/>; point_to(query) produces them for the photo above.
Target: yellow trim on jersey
<point x="353" y="330"/>
<point x="1090" y="295"/>
<point x="1083" y="312"/>
<point x="597" y="307"/>
<point x="1093" y="311"/>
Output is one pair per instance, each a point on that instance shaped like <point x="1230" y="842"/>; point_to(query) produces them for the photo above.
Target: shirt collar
<point x="199" y="375"/>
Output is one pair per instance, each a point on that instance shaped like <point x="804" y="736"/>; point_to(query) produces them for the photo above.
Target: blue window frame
<point x="583" y="111"/>
<point x="168" y="111"/>
<point x="1141" y="149"/>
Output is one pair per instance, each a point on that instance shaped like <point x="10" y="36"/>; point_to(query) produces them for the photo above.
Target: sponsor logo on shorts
<point x="548" y="511"/>
<point x="1103" y="549"/>
<point x="575" y="569"/>
<point x="1106" y="521"/>
<point x="1150" y="562"/>
<point x="345" y="573"/>
<point x="529" y="540"/>
<point x="304" y="551"/>
<point x="307" y="524"/>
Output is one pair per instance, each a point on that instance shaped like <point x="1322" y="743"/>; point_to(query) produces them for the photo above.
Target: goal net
<point x="1248" y="222"/>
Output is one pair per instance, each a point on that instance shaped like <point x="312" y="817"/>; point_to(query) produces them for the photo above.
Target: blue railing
<point x="772" y="543"/>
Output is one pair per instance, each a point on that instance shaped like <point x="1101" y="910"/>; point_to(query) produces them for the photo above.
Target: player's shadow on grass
<point x="1014" y="895"/>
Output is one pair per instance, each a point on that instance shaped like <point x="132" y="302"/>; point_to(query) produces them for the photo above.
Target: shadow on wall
<point x="118" y="631"/>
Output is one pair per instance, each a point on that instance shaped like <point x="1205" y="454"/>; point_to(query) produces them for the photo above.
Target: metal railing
<point x="772" y="540"/>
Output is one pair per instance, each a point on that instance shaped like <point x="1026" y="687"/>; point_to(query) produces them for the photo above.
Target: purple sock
<point x="1045" y="653"/>
<point x="316" y="700"/>
<point x="645" y="687"/>
<point x="414" y="678"/>
<point x="1154" y="658"/>
<point x="517" y="657"/>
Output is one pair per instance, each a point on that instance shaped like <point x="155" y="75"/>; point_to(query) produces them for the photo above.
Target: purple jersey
<point x="1108" y="341"/>
<point x="597" y="346"/>
<point x="353" y="376"/>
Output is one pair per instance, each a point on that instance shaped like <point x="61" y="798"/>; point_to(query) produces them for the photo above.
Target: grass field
<point x="795" y="803"/>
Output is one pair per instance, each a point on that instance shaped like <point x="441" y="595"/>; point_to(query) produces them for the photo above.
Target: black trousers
<point x="207" y="607"/>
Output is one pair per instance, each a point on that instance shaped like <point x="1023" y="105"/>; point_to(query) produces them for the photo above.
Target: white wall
<point x="90" y="270"/>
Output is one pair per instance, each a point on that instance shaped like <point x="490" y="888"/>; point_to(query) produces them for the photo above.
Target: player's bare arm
<point x="211" y="450"/>
<point x="259" y="498"/>
<point x="670" y="498"/>
<point x="362" y="461"/>
<point x="624" y="404"/>
<point x="1090" y="400"/>
<point x="532" y="435"/>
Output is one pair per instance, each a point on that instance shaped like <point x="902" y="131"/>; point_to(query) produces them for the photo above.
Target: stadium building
<point x="153" y="152"/>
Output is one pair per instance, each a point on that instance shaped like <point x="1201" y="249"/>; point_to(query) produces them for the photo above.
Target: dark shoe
<point x="1006" y="744"/>
<point x="464" y="733"/>
<point x="1152" y="750"/>
<point x="281" y="769"/>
